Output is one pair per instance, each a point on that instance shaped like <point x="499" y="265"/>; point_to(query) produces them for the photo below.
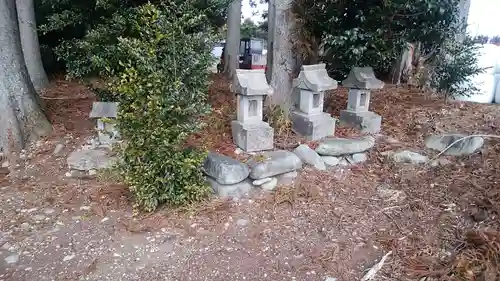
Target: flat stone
<point x="224" y="169"/>
<point x="269" y="164"/>
<point x="104" y="109"/>
<point x="242" y="222"/>
<point x="238" y="190"/>
<point x="330" y="160"/>
<point x="39" y="217"/>
<point x="261" y="181"/>
<point x="309" y="156"/>
<point x="359" y="158"/>
<point x="342" y="146"/>
<point x="13" y="258"/>
<point x="268" y="186"/>
<point x="85" y="160"/>
<point x="464" y="147"/>
<point x="407" y="156"/>
<point x="287" y="178"/>
<point x="58" y="149"/>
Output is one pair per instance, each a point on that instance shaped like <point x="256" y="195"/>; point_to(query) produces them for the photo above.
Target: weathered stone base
<point x="367" y="122"/>
<point x="252" y="136"/>
<point x="313" y="127"/>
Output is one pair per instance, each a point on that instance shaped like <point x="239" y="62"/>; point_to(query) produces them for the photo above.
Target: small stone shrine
<point x="105" y="113"/>
<point x="249" y="132"/>
<point x="309" y="120"/>
<point x="360" y="81"/>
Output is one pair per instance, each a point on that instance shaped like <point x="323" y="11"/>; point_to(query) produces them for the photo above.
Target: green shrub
<point x="161" y="82"/>
<point x="453" y="69"/>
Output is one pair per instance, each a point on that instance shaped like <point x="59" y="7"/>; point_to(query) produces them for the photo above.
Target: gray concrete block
<point x="367" y="122"/>
<point x="313" y="127"/>
<point x="252" y="137"/>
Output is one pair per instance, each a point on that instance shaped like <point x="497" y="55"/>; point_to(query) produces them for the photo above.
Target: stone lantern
<point x="249" y="131"/>
<point x="310" y="86"/>
<point x="105" y="113"/>
<point x="361" y="81"/>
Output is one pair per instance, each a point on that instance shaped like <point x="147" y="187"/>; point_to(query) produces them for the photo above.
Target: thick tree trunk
<point x="283" y="59"/>
<point x="271" y="15"/>
<point x="21" y="118"/>
<point x="231" y="58"/>
<point x="29" y="43"/>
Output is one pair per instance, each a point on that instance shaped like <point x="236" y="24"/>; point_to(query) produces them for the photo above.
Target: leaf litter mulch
<point x="440" y="223"/>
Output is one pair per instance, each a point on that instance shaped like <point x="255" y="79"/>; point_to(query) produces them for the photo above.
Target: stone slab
<point x="366" y="122"/>
<point x="104" y="109"/>
<point x="313" y="127"/>
<point x="342" y="146"/>
<point x="309" y="156"/>
<point x="461" y="148"/>
<point x="272" y="163"/>
<point x="224" y="169"/>
<point x="91" y="159"/>
<point x="237" y="190"/>
<point x="252" y="137"/>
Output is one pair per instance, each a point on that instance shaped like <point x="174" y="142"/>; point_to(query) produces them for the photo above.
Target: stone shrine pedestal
<point x="360" y="81"/>
<point x="249" y="132"/>
<point x="309" y="120"/>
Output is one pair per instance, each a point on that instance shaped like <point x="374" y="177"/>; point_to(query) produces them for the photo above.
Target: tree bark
<point x="21" y="117"/>
<point x="271" y="15"/>
<point x="29" y="43"/>
<point x="283" y="60"/>
<point x="231" y="57"/>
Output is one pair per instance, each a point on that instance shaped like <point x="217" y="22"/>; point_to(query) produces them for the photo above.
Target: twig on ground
<point x="394" y="221"/>
<point x="459" y="140"/>
<point x="371" y="273"/>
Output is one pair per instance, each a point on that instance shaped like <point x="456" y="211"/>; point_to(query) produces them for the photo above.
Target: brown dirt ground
<point x="440" y="223"/>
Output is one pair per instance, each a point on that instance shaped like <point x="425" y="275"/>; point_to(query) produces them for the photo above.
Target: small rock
<point x="359" y="158"/>
<point x="25" y="226"/>
<point x="6" y="246"/>
<point x="58" y="149"/>
<point x="5" y="164"/>
<point x="49" y="211"/>
<point x="13" y="258"/>
<point x="261" y="181"/>
<point x="462" y="148"/>
<point x="330" y="279"/>
<point x="69" y="257"/>
<point x="238" y="151"/>
<point x="270" y="185"/>
<point x="84" y="208"/>
<point x="407" y="156"/>
<point x="330" y="160"/>
<point x="85" y="160"/>
<point x="237" y="190"/>
<point x="39" y="217"/>
<point x="389" y="194"/>
<point x="224" y="169"/>
<point x="287" y="178"/>
<point x="309" y="156"/>
<point x="92" y="172"/>
<point x="341" y="146"/>
<point x="242" y="222"/>
<point x="273" y="163"/>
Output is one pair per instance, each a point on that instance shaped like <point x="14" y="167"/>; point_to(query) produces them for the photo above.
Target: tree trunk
<point x="29" y="43"/>
<point x="231" y="57"/>
<point x="271" y="15"/>
<point x="283" y="59"/>
<point x="21" y="118"/>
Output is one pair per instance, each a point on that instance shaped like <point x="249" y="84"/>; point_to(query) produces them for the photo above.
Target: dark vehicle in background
<point x="252" y="54"/>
